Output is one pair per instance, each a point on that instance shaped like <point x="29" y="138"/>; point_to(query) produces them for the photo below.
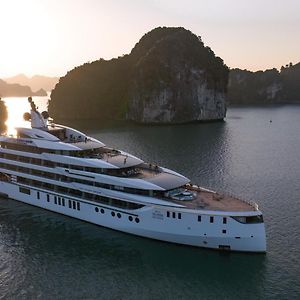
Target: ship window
<point x="224" y="231"/>
<point x="38" y="195"/>
<point x="250" y="219"/>
<point x="199" y="218"/>
<point x="117" y="187"/>
<point x="63" y="201"/>
<point x="70" y="204"/>
<point x="96" y="209"/>
<point x="137" y="220"/>
<point x="78" y="205"/>
<point x="119" y="215"/>
<point x="168" y="214"/>
<point x="102" y="211"/>
<point x="24" y="190"/>
<point x="59" y="201"/>
<point x="55" y="199"/>
<point x="174" y="215"/>
<point x="224" y="220"/>
<point x="88" y="196"/>
<point x="74" y="204"/>
<point x="113" y="213"/>
<point x="48" y="163"/>
<point x="130" y="218"/>
<point x="211" y="219"/>
<point x="48" y="198"/>
<point x="131" y="205"/>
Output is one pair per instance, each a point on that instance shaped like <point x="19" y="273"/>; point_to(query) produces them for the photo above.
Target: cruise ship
<point x="63" y="170"/>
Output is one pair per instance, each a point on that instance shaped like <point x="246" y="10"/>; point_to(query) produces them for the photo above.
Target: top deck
<point x="209" y="200"/>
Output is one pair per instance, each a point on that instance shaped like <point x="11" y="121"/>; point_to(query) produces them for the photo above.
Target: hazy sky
<point x="51" y="37"/>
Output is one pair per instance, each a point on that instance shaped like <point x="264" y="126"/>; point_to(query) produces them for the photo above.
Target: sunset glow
<point x="16" y="107"/>
<point x="52" y="37"/>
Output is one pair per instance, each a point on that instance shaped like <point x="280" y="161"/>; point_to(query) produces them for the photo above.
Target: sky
<point x="50" y="37"/>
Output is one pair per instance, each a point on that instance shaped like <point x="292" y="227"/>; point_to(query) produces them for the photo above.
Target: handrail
<point x="198" y="188"/>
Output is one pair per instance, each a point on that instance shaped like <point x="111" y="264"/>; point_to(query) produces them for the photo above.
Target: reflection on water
<point x="16" y="107"/>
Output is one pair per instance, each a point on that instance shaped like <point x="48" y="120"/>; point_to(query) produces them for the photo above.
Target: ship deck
<point x="208" y="200"/>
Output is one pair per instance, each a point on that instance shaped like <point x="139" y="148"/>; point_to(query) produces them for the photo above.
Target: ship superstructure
<point x="63" y="170"/>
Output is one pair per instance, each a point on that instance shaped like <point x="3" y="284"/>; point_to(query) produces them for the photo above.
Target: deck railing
<point x="195" y="187"/>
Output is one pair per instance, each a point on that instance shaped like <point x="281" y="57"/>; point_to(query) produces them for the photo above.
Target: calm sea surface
<point x="44" y="255"/>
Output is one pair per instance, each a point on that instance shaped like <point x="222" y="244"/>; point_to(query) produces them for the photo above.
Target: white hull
<point x="153" y="221"/>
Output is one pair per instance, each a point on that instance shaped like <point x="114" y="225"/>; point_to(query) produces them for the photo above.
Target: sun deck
<point x="209" y="200"/>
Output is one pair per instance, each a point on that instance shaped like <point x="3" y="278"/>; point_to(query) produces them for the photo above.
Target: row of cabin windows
<point x="47" y="163"/>
<point x="74" y="204"/>
<point x="33" y="149"/>
<point x="69" y="179"/>
<point x="119" y="215"/>
<point x="51" y="164"/>
<point x="61" y="201"/>
<point x="174" y="215"/>
<point x="28" y="147"/>
<point x="78" y="193"/>
<point x="57" y="200"/>
<point x="211" y="219"/>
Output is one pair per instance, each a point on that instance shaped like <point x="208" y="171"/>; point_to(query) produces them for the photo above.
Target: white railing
<point x="199" y="188"/>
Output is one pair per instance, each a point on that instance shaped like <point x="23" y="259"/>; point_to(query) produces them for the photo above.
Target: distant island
<point x="169" y="77"/>
<point x="265" y="87"/>
<point x="17" y="90"/>
<point x="36" y="82"/>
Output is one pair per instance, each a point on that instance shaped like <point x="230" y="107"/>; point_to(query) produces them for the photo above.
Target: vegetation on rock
<point x="268" y="87"/>
<point x="169" y="69"/>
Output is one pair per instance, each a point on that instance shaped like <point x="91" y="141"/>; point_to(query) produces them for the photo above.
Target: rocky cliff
<point x="265" y="87"/>
<point x="176" y="79"/>
<point x="169" y="77"/>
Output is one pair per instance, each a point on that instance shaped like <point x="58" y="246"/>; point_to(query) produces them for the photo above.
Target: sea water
<point x="254" y="154"/>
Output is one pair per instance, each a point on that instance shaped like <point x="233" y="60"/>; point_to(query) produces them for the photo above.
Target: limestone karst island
<point x="169" y="77"/>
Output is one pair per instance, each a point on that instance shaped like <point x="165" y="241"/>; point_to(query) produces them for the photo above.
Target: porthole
<point x="96" y="209"/>
<point x="137" y="220"/>
<point x="113" y="213"/>
<point x="102" y="211"/>
<point x="119" y="215"/>
<point x="224" y="231"/>
<point x="130" y="218"/>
